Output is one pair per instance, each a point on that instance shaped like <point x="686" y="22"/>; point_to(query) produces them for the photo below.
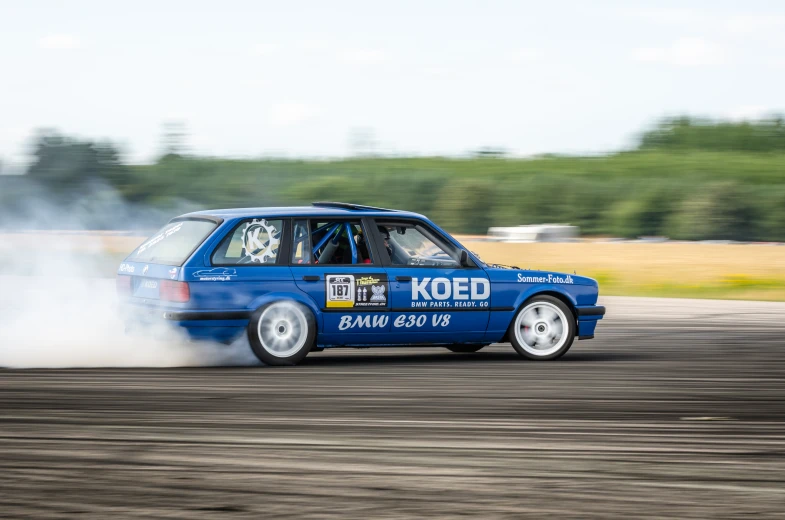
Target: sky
<point x="436" y="77"/>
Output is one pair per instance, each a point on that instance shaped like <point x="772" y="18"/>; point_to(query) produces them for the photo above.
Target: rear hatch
<point x="151" y="271"/>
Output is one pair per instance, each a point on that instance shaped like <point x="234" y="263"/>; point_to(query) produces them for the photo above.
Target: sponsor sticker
<point x="172" y="273"/>
<point x="346" y="291"/>
<point x="160" y="236"/>
<point x="260" y="241"/>
<point x="446" y="293"/>
<point x="550" y="278"/>
<point x="145" y="269"/>
<point x="127" y="268"/>
<point x="217" y="274"/>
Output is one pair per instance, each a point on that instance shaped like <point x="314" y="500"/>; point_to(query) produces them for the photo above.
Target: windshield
<point x="173" y="243"/>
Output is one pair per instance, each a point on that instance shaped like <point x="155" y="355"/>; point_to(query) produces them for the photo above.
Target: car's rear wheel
<point x="543" y="329"/>
<point x="282" y="333"/>
<point x="465" y="349"/>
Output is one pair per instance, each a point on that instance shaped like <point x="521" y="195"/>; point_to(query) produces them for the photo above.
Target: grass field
<point x="686" y="270"/>
<point x="682" y="270"/>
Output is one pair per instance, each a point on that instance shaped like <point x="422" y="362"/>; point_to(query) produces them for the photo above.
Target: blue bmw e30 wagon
<point x="333" y="274"/>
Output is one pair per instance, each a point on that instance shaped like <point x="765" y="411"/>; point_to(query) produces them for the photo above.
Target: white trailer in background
<point x="534" y="233"/>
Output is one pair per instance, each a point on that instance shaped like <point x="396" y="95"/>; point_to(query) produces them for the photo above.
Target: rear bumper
<point x="206" y="315"/>
<point x="134" y="311"/>
<point x="223" y="326"/>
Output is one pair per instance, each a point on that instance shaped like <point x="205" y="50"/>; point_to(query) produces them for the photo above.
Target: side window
<point x="321" y="241"/>
<point x="413" y="244"/>
<point x="301" y="243"/>
<point x="253" y="242"/>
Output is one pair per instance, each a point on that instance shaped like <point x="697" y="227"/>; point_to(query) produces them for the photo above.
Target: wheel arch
<point x="559" y="296"/>
<point x="528" y="296"/>
<point x="302" y="298"/>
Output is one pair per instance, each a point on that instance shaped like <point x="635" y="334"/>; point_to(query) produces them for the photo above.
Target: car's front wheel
<point x="282" y="333"/>
<point x="544" y="328"/>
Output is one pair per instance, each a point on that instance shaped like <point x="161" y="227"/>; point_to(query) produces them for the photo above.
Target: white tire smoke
<point x="58" y="322"/>
<point x="55" y="310"/>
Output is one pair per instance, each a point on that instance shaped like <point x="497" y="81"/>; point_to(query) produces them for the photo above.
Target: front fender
<point x="544" y="289"/>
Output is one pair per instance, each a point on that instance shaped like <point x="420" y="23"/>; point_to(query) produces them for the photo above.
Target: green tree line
<point x="688" y="179"/>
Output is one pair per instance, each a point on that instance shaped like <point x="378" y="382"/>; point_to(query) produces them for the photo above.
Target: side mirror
<point x="465" y="262"/>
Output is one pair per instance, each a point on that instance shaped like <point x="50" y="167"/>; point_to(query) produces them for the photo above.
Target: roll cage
<point x="335" y="228"/>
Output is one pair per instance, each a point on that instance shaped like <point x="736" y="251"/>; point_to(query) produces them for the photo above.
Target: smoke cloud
<point x="58" y="306"/>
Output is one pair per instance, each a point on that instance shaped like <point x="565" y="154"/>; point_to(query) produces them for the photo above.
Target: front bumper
<point x="588" y="317"/>
<point x="596" y="311"/>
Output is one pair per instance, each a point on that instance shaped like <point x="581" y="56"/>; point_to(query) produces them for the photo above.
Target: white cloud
<point x="777" y="63"/>
<point x="750" y="24"/>
<point x="739" y="23"/>
<point x="363" y="56"/>
<point x="256" y="83"/>
<point x="265" y="49"/>
<point x="749" y="112"/>
<point x="313" y="45"/>
<point x="437" y="72"/>
<point x="526" y="55"/>
<point x="667" y="15"/>
<point x="60" y="42"/>
<point x="685" y="52"/>
<point x="291" y="113"/>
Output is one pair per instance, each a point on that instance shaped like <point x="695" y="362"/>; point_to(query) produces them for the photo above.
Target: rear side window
<point x="253" y="242"/>
<point x="173" y="243"/>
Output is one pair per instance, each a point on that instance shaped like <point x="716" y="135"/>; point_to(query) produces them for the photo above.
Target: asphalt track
<point x="675" y="410"/>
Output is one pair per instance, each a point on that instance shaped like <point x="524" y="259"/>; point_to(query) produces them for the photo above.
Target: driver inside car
<point x="386" y="236"/>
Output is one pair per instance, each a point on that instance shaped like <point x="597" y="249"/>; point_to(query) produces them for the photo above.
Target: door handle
<point x="403" y="278"/>
<point x="311" y="278"/>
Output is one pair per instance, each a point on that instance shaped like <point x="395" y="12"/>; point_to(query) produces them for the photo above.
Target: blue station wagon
<point x="301" y="279"/>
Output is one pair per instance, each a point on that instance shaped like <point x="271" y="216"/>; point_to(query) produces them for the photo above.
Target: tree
<point x="62" y="162"/>
<point x="685" y="133"/>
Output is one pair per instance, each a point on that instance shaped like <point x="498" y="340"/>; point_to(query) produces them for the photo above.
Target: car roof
<point x="318" y="209"/>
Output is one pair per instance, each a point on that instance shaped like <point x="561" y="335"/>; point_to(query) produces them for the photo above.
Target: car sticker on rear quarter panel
<point x="216" y="274"/>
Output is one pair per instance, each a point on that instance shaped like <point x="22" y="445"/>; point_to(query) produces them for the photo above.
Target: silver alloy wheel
<point x="282" y="329"/>
<point x="541" y="328"/>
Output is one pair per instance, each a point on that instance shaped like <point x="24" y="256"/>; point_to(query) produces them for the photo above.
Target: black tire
<point x="549" y="321"/>
<point x="464" y="349"/>
<point x="282" y="333"/>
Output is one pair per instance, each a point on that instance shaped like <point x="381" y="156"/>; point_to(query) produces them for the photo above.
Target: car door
<point x="433" y="296"/>
<point x="332" y="263"/>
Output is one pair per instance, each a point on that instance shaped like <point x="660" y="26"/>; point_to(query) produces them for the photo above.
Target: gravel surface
<point x="675" y="410"/>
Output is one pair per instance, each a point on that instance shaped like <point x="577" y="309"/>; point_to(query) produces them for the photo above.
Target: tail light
<point x="123" y="284"/>
<point x="174" y="291"/>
